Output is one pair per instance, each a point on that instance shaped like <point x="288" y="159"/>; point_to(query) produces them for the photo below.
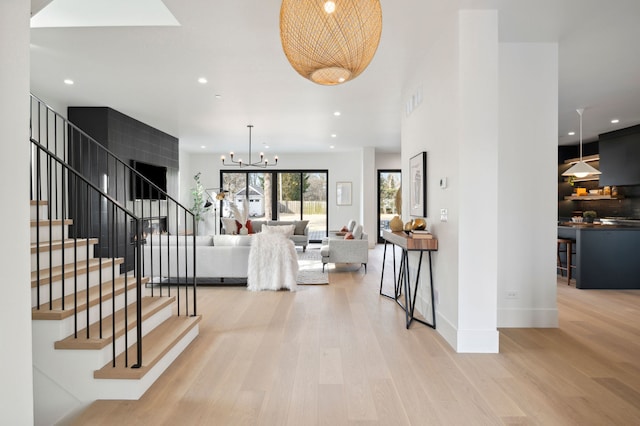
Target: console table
<point x="401" y="279"/>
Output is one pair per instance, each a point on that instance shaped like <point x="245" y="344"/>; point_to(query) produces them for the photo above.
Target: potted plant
<point x="589" y="215"/>
<point x="199" y="209"/>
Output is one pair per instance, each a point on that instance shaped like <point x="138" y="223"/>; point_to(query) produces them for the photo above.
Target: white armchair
<point x="339" y="250"/>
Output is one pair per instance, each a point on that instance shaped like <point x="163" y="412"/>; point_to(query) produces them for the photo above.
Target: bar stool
<point x="568" y="249"/>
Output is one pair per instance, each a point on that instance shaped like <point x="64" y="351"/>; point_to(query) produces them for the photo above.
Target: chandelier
<point x="330" y="42"/>
<point x="262" y="162"/>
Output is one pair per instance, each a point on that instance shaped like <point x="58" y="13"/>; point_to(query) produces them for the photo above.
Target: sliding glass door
<point x="281" y="195"/>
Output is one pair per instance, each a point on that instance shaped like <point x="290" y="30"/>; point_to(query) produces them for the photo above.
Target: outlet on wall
<point x="512" y="294"/>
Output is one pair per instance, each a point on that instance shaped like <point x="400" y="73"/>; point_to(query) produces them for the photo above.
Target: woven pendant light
<point x="330" y="42"/>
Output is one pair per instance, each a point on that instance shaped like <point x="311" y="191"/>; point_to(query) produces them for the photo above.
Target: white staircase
<point x="72" y="370"/>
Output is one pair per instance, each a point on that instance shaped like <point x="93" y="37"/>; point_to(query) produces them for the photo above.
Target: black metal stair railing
<point x="75" y="284"/>
<point x="83" y="181"/>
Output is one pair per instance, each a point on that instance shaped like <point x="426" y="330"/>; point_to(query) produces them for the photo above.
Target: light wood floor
<point x="339" y="354"/>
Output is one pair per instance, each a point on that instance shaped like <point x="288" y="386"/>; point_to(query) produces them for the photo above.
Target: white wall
<point x="477" y="96"/>
<point x="478" y="174"/>
<point x="16" y="385"/>
<point x="528" y="185"/>
<point x="388" y="161"/>
<point x="432" y="127"/>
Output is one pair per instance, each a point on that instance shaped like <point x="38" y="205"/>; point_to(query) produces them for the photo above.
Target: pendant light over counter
<point x="581" y="169"/>
<point x="330" y="42"/>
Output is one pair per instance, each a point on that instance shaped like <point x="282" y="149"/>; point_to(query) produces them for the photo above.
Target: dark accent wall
<point x="128" y="139"/>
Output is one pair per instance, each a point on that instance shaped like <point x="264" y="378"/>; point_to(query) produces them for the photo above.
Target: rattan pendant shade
<point x="330" y="42"/>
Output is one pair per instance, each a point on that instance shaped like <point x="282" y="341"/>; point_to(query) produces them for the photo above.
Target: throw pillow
<point x="357" y="232"/>
<point x="250" y="227"/>
<point x="348" y="236"/>
<point x="344" y="229"/>
<point x="283" y="229"/>
<point x="300" y="227"/>
<point x="238" y="227"/>
<point x="229" y="225"/>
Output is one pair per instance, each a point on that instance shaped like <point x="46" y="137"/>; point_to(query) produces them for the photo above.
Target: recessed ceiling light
<point x="202" y="80"/>
<point x="615" y="121"/>
<point x="68" y="81"/>
<point x="337" y="113"/>
<point x="332" y="146"/>
<point x="571" y="133"/>
<point x="202" y="146"/>
<point x="266" y="146"/>
<point x="334" y="135"/>
<point x="218" y="96"/>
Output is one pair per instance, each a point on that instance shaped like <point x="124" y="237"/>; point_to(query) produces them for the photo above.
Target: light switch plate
<point x="444" y="215"/>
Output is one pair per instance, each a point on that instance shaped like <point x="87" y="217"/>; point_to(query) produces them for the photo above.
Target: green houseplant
<point x="199" y="199"/>
<point x="589" y="215"/>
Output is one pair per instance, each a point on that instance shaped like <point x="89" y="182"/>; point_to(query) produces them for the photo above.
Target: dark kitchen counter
<point x="607" y="255"/>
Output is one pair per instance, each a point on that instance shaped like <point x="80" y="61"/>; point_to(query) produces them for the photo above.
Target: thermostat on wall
<point x="443" y="183"/>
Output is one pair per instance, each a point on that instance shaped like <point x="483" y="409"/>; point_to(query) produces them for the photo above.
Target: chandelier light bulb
<point x="329" y="7"/>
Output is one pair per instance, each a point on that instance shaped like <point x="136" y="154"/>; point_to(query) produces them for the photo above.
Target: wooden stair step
<point x="38" y="202"/>
<point x="47" y="222"/>
<point x="150" y="306"/>
<point x="59" y="244"/>
<point x="155" y="345"/>
<point x="55" y="311"/>
<point x="71" y="269"/>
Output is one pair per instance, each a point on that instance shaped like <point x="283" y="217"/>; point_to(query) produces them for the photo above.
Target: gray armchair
<point x="339" y="250"/>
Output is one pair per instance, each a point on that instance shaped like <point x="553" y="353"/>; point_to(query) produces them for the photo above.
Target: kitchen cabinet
<point x="607" y="256"/>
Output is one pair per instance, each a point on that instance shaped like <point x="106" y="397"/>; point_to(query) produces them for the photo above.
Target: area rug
<point x="310" y="268"/>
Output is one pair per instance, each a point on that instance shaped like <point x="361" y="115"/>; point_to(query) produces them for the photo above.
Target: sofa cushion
<point x="257" y="225"/>
<point x="229" y="225"/>
<point x="232" y="240"/>
<point x="179" y="240"/>
<point x="301" y="225"/>
<point x="283" y="229"/>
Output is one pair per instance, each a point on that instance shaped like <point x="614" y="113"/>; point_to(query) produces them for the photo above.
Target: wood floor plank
<point x="340" y="355"/>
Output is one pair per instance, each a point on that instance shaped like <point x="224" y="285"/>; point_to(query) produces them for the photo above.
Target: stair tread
<point x="58" y="244"/>
<point x="150" y="305"/>
<point x="54" y="222"/>
<point x="57" y="313"/>
<point x="69" y="268"/>
<point x="154" y="346"/>
<point x="38" y="202"/>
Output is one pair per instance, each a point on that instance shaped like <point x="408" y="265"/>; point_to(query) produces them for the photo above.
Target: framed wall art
<point x="418" y="185"/>
<point x="343" y="193"/>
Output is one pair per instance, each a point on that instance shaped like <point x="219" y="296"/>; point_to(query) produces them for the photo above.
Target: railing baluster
<point x="126" y="299"/>
<point x="50" y="235"/>
<point x="113" y="287"/>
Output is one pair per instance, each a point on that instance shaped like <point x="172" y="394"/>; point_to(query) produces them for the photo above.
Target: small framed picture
<point x="418" y="185"/>
<point x="343" y="193"/>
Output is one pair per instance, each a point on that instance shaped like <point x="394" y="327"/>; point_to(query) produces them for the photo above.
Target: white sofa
<point x="340" y="250"/>
<point x="217" y="256"/>
<point x="300" y="236"/>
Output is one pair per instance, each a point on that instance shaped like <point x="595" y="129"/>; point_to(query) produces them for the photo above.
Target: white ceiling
<point x="151" y="72"/>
